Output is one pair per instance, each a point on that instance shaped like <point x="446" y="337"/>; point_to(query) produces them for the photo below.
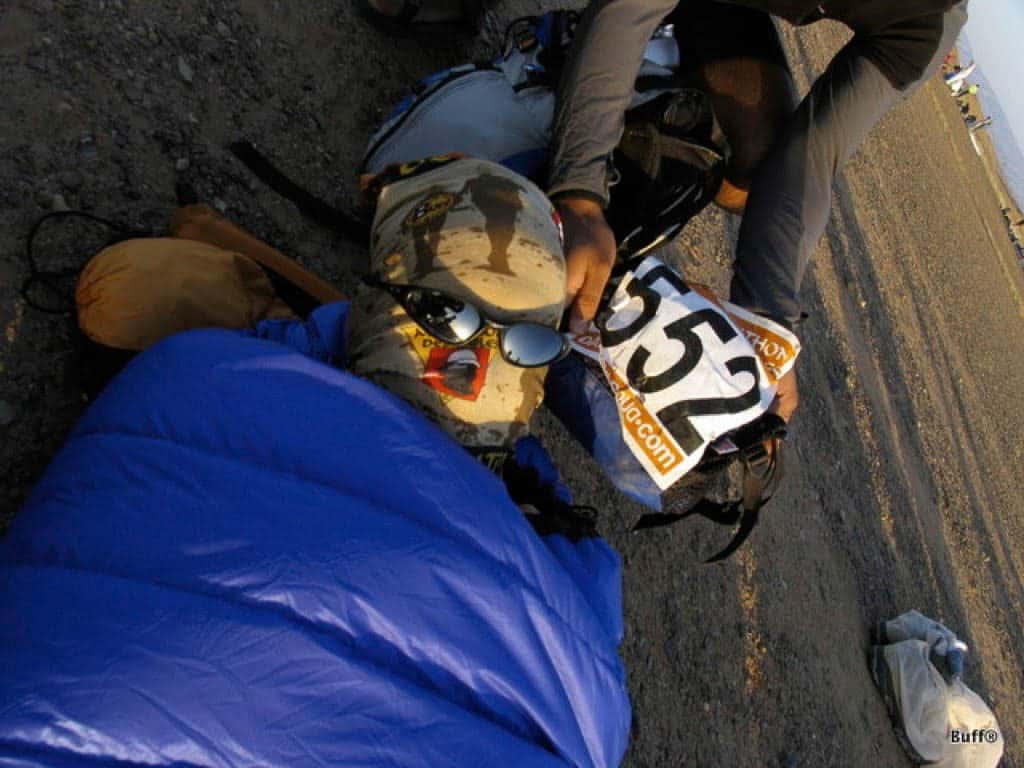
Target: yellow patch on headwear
<point x="422" y="342"/>
<point x="429" y="209"/>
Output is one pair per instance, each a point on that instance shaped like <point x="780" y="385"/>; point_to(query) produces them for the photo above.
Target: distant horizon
<point x="993" y="32"/>
<point x="1009" y="152"/>
<point x="992" y="39"/>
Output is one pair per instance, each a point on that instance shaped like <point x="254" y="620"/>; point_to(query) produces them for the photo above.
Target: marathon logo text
<point x="775" y="346"/>
<point x="486" y="340"/>
<point x="769" y="351"/>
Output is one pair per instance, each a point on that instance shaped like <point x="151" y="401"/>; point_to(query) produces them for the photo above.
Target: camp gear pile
<point x="669" y="164"/>
<point x="245" y="556"/>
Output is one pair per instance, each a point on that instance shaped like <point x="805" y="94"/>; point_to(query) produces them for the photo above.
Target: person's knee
<point x="753" y="99"/>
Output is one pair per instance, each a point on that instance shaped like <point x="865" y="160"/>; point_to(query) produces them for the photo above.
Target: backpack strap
<point x="548" y="513"/>
<point x="760" y="444"/>
<point x="301" y="289"/>
<point x="351" y="226"/>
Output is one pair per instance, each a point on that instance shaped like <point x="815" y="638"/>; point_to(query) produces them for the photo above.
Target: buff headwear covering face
<point x="487" y="236"/>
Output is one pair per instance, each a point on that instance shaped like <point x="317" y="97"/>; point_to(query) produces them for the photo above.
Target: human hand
<point x="787" y="396"/>
<point x="589" y="257"/>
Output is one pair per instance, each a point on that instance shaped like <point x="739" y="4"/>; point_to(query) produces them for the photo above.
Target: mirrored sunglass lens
<point x="528" y="344"/>
<point x="443" y="316"/>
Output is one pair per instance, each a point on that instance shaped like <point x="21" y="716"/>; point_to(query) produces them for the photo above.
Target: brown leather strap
<point x="201" y="222"/>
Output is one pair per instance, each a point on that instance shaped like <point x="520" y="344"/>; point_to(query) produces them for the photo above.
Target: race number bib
<point x="685" y="368"/>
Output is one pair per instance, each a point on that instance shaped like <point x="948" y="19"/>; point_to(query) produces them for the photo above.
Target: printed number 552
<point x="677" y="416"/>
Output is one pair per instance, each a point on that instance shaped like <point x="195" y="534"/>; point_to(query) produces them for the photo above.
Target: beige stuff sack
<point x="210" y="273"/>
<point x="133" y="294"/>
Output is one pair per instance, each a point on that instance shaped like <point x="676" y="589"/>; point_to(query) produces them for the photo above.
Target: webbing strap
<point x="761" y="454"/>
<point x="202" y="223"/>
<point x="323" y="213"/>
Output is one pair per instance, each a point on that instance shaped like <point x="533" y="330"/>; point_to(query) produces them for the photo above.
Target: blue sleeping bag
<point x="244" y="556"/>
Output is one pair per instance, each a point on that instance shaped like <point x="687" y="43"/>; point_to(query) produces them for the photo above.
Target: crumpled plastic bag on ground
<point x="940" y="720"/>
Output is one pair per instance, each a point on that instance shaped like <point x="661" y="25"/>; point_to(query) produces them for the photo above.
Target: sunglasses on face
<point x="457" y="322"/>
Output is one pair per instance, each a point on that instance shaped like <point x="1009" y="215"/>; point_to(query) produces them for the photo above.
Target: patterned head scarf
<point x="487" y="236"/>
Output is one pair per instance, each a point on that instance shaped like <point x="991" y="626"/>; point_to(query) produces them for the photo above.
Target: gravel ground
<point x="905" y="461"/>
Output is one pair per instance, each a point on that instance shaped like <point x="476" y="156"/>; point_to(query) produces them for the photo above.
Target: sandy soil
<point x="905" y="461"/>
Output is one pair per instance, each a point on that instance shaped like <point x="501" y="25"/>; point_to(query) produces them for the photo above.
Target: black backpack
<point x="758" y="459"/>
<point x="671" y="158"/>
<point x="670" y="163"/>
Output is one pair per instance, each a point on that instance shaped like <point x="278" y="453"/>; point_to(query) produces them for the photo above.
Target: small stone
<point x="58" y="203"/>
<point x="87" y="147"/>
<point x="7" y="413"/>
<point x="184" y="70"/>
<point x="134" y="94"/>
<point x="223" y="29"/>
<point x="71" y="180"/>
<point x="220" y="205"/>
<point x="209" y="46"/>
<point x="181" y="164"/>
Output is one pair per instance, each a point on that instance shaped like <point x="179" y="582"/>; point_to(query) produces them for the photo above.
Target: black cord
<point x="51" y="278"/>
<point x="348" y="224"/>
<point x="526" y="486"/>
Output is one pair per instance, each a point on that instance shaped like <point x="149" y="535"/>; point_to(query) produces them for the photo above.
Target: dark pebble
<point x="87" y="147"/>
<point x="71" y="180"/>
<point x="7" y="413"/>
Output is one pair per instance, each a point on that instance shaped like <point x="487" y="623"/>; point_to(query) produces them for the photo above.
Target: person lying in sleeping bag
<point x="247" y="555"/>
